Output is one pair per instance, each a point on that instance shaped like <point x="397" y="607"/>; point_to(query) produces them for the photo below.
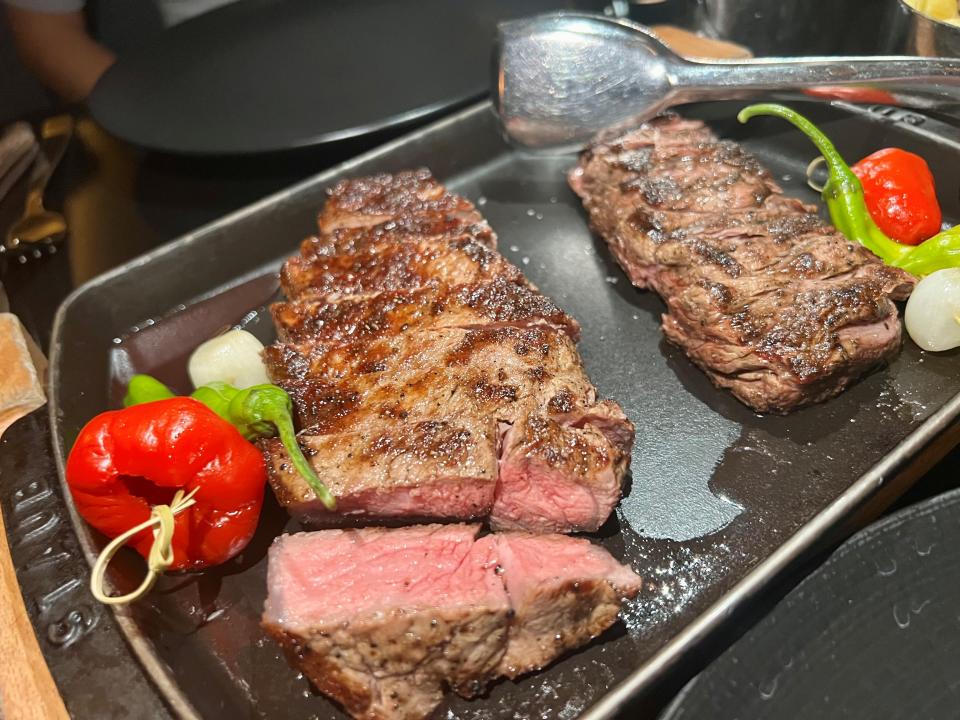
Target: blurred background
<point x="788" y="27"/>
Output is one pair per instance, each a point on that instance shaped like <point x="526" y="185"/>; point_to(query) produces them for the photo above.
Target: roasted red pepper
<point x="126" y="461"/>
<point x="900" y="193"/>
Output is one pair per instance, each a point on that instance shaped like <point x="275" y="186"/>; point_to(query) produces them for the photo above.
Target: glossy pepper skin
<point x="900" y="194"/>
<point x="843" y="194"/>
<point x="144" y="388"/>
<point x="126" y="461"/>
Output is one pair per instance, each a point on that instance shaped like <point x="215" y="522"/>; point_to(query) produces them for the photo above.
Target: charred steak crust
<point x="769" y="301"/>
<point x="384" y="621"/>
<point x="415" y="354"/>
<point x="393" y="312"/>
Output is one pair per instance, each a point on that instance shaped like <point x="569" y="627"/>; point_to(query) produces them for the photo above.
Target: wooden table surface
<point x="27" y="690"/>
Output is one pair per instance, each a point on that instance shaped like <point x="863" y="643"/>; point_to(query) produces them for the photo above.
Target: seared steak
<point x="402" y="199"/>
<point x="394" y="471"/>
<point x="560" y="472"/>
<point x="498" y="302"/>
<point x="563" y="591"/>
<point x="487" y="370"/>
<point x="395" y="266"/>
<point x="769" y="301"/>
<point x="430" y="379"/>
<point x="383" y="621"/>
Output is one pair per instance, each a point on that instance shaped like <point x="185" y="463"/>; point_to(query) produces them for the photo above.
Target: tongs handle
<point x="563" y="77"/>
<point x="921" y="83"/>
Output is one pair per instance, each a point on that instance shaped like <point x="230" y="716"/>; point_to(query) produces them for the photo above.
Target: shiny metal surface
<point x="37" y="224"/>
<point x="914" y="33"/>
<point x="561" y="78"/>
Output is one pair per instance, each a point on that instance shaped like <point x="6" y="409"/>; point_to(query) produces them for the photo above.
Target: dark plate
<point x="873" y="633"/>
<point x="269" y="75"/>
<point x="721" y="500"/>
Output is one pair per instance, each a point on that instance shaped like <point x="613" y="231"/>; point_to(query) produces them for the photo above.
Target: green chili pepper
<point x="258" y="411"/>
<point x="843" y="195"/>
<point x="938" y="253"/>
<point x="265" y="411"/>
<point x="143" y="389"/>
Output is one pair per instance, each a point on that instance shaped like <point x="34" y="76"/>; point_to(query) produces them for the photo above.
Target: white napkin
<point x="24" y="371"/>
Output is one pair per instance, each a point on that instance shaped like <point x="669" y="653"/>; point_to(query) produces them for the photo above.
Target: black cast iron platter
<point x="721" y="503"/>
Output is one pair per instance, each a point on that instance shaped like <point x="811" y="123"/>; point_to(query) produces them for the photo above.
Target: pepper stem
<point x="288" y="437"/>
<point x="843" y="192"/>
<point x="835" y="161"/>
<point x="261" y="409"/>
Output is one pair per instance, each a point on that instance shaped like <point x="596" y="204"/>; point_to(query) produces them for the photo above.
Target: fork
<point x="38" y="225"/>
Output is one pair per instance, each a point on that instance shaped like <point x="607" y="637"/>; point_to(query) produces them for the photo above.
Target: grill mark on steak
<point x="498" y="302"/>
<point x="405" y="229"/>
<point x="385" y="198"/>
<point x="406" y="342"/>
<point x="706" y="177"/>
<point x="428" y="440"/>
<point x="423" y="372"/>
<point x="523" y="341"/>
<point x="395" y="266"/>
<point x="393" y="470"/>
<point x="772" y="303"/>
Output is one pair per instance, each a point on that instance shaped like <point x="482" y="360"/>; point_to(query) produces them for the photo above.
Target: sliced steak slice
<point x="383" y="620"/>
<point x="563" y="591"/>
<point x="395" y="266"/>
<point x="498" y="302"/>
<point x="379" y="199"/>
<point x="386" y="469"/>
<point x="500" y="372"/>
<point x="560" y="476"/>
<point x="772" y="303"/>
<point x="541" y="473"/>
<point x="438" y="227"/>
<point x="357" y="401"/>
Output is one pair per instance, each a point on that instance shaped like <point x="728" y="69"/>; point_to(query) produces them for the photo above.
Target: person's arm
<point x="57" y="49"/>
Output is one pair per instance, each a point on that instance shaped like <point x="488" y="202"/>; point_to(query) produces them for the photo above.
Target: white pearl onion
<point x="233" y="358"/>
<point x="933" y="311"/>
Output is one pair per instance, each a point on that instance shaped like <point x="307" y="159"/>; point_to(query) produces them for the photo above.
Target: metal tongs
<point x="562" y="78"/>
